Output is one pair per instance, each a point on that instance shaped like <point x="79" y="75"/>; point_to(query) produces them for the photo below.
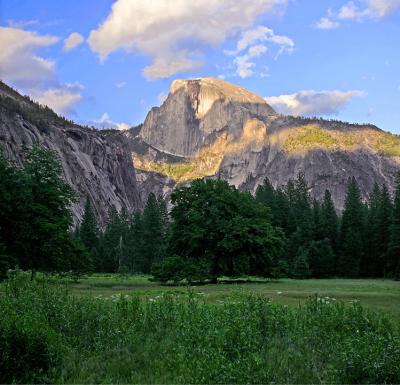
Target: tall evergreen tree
<point x="352" y="232"/>
<point x="134" y="243"/>
<point x="154" y="227"/>
<point x="385" y="213"/>
<point x="46" y="236"/>
<point x="88" y="232"/>
<point x="330" y="221"/>
<point x="112" y="243"/>
<point x="392" y="267"/>
<point x="370" y="262"/>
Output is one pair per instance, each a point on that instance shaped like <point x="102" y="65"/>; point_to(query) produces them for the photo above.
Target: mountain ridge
<point x="205" y="128"/>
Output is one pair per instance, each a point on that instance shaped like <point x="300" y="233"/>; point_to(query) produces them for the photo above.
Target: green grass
<point x="377" y="294"/>
<point x="210" y="334"/>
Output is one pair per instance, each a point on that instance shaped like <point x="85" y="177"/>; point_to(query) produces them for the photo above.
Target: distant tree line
<point x="361" y="242"/>
<point x="212" y="230"/>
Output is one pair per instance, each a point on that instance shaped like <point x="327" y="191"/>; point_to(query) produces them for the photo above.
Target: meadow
<point x="381" y="295"/>
<point x="114" y="329"/>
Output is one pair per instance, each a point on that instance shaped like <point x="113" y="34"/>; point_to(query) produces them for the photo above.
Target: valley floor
<point x="377" y="294"/>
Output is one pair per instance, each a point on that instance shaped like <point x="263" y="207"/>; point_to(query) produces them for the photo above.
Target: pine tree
<point x="330" y="221"/>
<point x="88" y="232"/>
<point x="370" y="262"/>
<point x="301" y="269"/>
<point x="392" y="267"/>
<point x="111" y="243"/>
<point x="134" y="243"/>
<point x="321" y="259"/>
<point x="318" y="231"/>
<point x="153" y="222"/>
<point x="46" y="236"/>
<point x="265" y="194"/>
<point x="352" y="232"/>
<point x="384" y="224"/>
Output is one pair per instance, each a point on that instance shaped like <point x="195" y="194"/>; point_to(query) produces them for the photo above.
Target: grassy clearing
<point x="54" y="336"/>
<point x="307" y="137"/>
<point x="377" y="294"/>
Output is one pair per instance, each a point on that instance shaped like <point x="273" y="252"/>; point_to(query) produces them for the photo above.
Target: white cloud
<point x="173" y="35"/>
<point x="250" y="41"/>
<point x="72" y="41"/>
<point x="350" y="11"/>
<point x="326" y="23"/>
<point x="20" y="62"/>
<point x="62" y="99"/>
<point x="244" y="63"/>
<point x="383" y="8"/>
<point x="22" y="23"/>
<point x="106" y="122"/>
<point x="360" y="10"/>
<point x="22" y="66"/>
<point x="312" y="103"/>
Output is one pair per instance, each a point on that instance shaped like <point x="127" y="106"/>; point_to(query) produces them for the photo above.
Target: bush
<point x="28" y="350"/>
<point x="177" y="269"/>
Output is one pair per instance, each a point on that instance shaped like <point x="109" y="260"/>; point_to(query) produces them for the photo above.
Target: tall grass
<point x="48" y="335"/>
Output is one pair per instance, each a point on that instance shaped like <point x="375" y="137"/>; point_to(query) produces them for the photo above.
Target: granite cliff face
<point x="206" y="128"/>
<point x="97" y="164"/>
<point x="211" y="128"/>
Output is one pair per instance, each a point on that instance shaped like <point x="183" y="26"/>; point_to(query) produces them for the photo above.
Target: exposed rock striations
<point x="97" y="164"/>
<point x="210" y="128"/>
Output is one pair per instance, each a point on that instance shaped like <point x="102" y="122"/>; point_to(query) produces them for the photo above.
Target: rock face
<point x="206" y="128"/>
<point x="210" y="128"/>
<point x="196" y="111"/>
<point x="97" y="164"/>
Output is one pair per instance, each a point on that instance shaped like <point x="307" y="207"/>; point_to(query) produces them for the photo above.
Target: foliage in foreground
<point x="171" y="339"/>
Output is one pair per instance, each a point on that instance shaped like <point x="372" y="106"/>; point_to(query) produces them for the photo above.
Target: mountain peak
<point x="204" y="92"/>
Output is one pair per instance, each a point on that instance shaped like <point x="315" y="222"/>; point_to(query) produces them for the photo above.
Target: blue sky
<point x="109" y="61"/>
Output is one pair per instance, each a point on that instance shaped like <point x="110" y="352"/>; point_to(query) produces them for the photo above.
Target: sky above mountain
<point x="107" y="62"/>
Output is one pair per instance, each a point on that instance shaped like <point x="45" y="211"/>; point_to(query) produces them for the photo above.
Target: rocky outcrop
<point x="210" y="128"/>
<point x="97" y="164"/>
<point x="196" y="111"/>
<point x="206" y="128"/>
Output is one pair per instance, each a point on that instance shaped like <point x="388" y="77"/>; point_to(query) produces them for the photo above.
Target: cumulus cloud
<point x="326" y="23"/>
<point x="20" y="62"/>
<point x="61" y="99"/>
<point x="173" y="35"/>
<point x="312" y="103"/>
<point x="72" y="41"/>
<point x="250" y="43"/>
<point x="383" y="8"/>
<point x="22" y="66"/>
<point x="358" y="11"/>
<point x="105" y="122"/>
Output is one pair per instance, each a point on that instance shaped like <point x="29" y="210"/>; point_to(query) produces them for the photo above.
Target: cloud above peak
<point x="173" y="34"/>
<point x="253" y="44"/>
<point x="359" y="11"/>
<point x="72" y="41"/>
<point x="312" y="103"/>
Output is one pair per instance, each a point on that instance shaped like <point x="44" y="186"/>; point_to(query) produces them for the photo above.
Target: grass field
<point x="377" y="294"/>
<point x="111" y="329"/>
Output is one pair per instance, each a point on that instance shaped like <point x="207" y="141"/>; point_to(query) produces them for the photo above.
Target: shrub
<point x="28" y="350"/>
